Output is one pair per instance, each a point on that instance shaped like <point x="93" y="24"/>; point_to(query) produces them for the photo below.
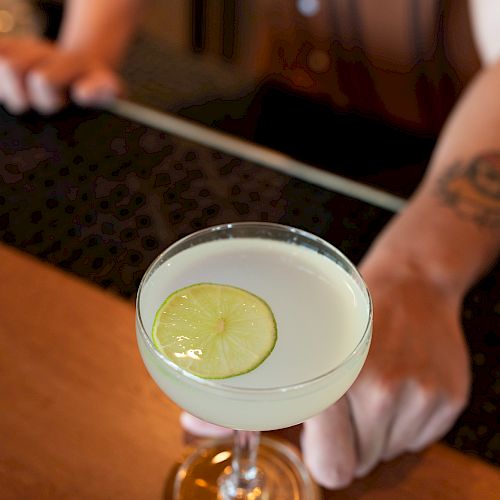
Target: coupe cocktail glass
<point x="324" y="318"/>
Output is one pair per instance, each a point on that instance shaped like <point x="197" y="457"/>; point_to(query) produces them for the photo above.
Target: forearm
<point x="450" y="229"/>
<point x="101" y="27"/>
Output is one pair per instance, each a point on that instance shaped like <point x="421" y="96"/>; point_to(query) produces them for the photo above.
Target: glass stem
<point x="244" y="480"/>
<point x="245" y="446"/>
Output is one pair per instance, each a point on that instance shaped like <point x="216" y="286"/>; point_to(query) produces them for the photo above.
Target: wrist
<point x="104" y="53"/>
<point x="390" y="264"/>
<point x="431" y="238"/>
<point x="414" y="247"/>
<point x="100" y="30"/>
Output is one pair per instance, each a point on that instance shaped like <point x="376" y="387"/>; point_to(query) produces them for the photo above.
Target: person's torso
<point x="405" y="61"/>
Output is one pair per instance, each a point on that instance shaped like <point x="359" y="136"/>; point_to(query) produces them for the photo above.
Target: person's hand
<point x="412" y="388"/>
<point x="38" y="74"/>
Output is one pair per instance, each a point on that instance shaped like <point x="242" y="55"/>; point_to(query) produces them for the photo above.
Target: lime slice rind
<point x="215" y="331"/>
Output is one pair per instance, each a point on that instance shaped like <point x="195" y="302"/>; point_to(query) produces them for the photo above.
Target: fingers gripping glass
<point x="324" y="317"/>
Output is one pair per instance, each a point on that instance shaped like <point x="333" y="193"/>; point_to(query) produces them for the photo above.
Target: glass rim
<point x="219" y="384"/>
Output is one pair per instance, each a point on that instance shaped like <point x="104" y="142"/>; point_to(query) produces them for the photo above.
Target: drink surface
<point x="321" y="313"/>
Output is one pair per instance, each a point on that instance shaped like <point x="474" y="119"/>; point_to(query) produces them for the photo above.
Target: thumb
<point x="198" y="427"/>
<point x="328" y="446"/>
<point x="97" y="88"/>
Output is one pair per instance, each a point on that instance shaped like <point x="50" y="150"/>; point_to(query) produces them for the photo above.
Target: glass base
<point x="285" y="475"/>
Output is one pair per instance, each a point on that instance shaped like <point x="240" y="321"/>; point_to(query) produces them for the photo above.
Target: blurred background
<point x="221" y="63"/>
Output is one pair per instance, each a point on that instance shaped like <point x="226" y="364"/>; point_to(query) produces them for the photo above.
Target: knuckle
<point x="7" y="64"/>
<point x="421" y="391"/>
<point x="374" y="398"/>
<point x="382" y="396"/>
<point x="13" y="64"/>
<point x="38" y="77"/>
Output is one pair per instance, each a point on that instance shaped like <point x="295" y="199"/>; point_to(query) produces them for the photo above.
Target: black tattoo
<point x="473" y="189"/>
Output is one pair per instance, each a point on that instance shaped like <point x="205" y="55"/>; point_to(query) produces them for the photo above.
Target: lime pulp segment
<point x="215" y="331"/>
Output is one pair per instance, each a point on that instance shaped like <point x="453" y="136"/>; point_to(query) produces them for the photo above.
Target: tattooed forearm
<point x="472" y="190"/>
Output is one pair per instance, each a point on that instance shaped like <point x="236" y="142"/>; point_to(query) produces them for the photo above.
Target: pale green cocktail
<point x="322" y="311"/>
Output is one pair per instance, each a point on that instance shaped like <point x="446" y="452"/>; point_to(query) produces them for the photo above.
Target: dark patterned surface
<point x="101" y="197"/>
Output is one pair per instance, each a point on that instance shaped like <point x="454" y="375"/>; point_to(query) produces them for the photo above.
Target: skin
<point x="80" y="66"/>
<point x="416" y="380"/>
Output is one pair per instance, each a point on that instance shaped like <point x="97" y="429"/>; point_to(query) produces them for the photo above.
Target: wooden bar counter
<point x="80" y="417"/>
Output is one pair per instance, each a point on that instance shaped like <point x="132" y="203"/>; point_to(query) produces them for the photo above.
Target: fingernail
<point x="48" y="108"/>
<point x="363" y="470"/>
<point x="17" y="103"/>
<point x="16" y="108"/>
<point x="44" y="98"/>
